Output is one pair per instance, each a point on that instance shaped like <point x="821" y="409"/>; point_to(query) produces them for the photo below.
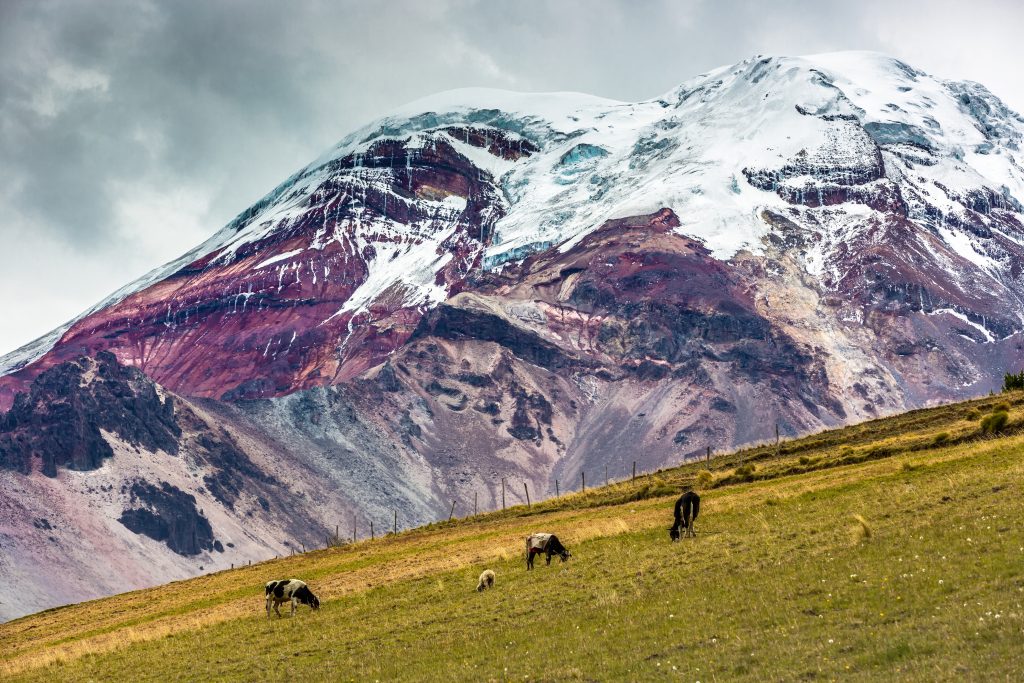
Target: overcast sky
<point x="130" y="131"/>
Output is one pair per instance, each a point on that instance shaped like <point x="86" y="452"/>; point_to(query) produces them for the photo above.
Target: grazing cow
<point x="289" y="590"/>
<point x="486" y="580"/>
<point x="686" y="511"/>
<point x="547" y="544"/>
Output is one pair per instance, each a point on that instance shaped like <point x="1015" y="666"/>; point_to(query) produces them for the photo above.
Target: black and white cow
<point x="686" y="511"/>
<point x="289" y="590"/>
<point x="547" y="544"/>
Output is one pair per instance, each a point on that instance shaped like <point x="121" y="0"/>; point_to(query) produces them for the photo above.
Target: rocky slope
<point x="488" y="285"/>
<point x="108" y="482"/>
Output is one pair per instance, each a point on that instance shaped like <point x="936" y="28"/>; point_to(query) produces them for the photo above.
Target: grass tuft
<point x="860" y="531"/>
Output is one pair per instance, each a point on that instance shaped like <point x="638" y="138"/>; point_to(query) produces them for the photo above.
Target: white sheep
<point x="486" y="580"/>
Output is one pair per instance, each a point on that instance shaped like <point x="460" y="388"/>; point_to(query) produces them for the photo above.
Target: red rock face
<point x="636" y="340"/>
<point x="265" y="316"/>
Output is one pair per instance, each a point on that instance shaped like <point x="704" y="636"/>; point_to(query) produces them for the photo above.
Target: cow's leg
<point x="529" y="559"/>
<point x="269" y="598"/>
<point x="295" y="602"/>
<point x="549" y="559"/>
<point x="277" y="608"/>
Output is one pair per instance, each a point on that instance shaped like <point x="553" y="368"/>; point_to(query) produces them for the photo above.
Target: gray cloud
<point x="130" y="131"/>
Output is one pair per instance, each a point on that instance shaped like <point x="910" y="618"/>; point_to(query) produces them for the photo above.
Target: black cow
<point x="547" y="544"/>
<point x="686" y="511"/>
<point x="286" y="590"/>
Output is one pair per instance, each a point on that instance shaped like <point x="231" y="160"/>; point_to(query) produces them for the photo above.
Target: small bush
<point x="746" y="472"/>
<point x="973" y="414"/>
<point x="879" y="451"/>
<point x="994" y="423"/>
<point x="941" y="438"/>
<point x="1003" y="407"/>
<point x="804" y="460"/>
<point x="705" y="479"/>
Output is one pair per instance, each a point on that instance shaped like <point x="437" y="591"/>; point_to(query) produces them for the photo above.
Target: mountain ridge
<point x="411" y="121"/>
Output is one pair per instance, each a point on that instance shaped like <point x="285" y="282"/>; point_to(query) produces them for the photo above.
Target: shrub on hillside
<point x="941" y="438"/>
<point x="1012" y="381"/>
<point x="746" y="472"/>
<point x="705" y="479"/>
<point x="973" y="414"/>
<point x="995" y="422"/>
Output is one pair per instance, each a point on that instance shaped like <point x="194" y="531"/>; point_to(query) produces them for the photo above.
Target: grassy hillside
<point x="890" y="549"/>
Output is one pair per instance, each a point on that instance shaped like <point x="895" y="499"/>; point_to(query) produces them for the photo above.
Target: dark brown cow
<point x="686" y="511"/>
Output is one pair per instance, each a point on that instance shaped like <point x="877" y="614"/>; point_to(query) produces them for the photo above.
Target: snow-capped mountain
<point x="487" y="284"/>
<point x="328" y="274"/>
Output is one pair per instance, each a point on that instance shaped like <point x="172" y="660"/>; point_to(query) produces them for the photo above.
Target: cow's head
<point x="306" y="597"/>
<point x="673" y="533"/>
<point x="565" y="554"/>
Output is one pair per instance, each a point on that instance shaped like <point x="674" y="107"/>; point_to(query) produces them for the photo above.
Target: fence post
<point x="606" y="475"/>
<point x="503" y="493"/>
<point x="452" y="511"/>
<point x="474" y="504"/>
<point x="583" y="478"/>
<point x="557" y="494"/>
<point x="708" y="458"/>
<point x="527" y="495"/>
<point x="396" y="522"/>
<point x="353" y="528"/>
<point x="634" y="470"/>
<point x="371" y="530"/>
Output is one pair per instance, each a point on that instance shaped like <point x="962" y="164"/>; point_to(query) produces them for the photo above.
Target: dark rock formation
<point x="167" y="514"/>
<point x="58" y="421"/>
